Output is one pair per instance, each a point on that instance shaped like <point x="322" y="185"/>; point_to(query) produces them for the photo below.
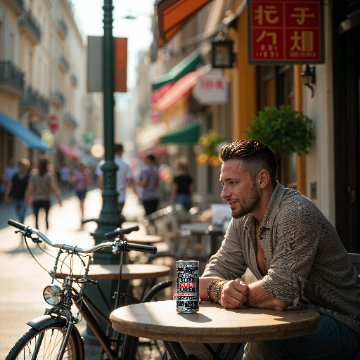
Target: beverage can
<point x="187" y="286"/>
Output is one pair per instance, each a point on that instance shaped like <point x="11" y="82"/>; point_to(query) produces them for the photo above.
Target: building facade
<point x="46" y="52"/>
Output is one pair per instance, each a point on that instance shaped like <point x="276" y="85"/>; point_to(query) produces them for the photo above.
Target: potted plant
<point x="284" y="130"/>
<point x="209" y="148"/>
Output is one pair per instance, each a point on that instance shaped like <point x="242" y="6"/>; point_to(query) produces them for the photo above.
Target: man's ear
<point x="264" y="178"/>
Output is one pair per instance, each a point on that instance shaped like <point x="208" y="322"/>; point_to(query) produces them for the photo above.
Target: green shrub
<point x="284" y="130"/>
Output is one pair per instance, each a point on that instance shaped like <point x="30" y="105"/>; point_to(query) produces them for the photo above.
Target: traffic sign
<point x="53" y="124"/>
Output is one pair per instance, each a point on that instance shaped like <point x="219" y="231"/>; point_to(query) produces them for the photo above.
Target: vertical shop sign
<point x="285" y="31"/>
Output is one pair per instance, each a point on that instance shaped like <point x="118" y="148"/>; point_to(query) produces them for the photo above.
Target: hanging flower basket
<point x="209" y="148"/>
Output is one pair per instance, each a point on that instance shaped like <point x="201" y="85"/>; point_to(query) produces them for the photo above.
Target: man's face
<point x="238" y="189"/>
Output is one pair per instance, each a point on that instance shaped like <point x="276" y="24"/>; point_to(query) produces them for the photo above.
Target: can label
<point x="187" y="286"/>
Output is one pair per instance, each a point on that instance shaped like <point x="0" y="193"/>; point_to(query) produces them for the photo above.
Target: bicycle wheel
<point x="46" y="344"/>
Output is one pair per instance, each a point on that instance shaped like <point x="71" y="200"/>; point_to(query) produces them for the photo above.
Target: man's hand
<point x="234" y="294"/>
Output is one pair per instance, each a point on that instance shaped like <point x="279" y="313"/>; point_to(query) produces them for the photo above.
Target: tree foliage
<point x="284" y="130"/>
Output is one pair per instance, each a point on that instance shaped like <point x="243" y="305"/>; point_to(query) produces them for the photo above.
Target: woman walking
<point x="183" y="185"/>
<point x="41" y="185"/>
<point x="16" y="189"/>
<point x="81" y="178"/>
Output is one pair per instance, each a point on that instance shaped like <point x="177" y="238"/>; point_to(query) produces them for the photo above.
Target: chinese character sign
<point x="285" y="31"/>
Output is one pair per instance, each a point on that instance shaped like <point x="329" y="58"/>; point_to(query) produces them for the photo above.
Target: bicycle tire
<point x="50" y="344"/>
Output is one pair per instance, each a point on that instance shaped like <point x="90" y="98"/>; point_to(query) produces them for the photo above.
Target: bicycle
<point x="54" y="335"/>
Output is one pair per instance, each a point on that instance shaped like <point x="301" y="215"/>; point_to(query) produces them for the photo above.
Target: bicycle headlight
<point x="53" y="295"/>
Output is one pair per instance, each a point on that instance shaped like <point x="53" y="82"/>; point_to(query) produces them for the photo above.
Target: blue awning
<point x="24" y="134"/>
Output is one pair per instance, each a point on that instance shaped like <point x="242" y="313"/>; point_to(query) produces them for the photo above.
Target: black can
<point x="187" y="286"/>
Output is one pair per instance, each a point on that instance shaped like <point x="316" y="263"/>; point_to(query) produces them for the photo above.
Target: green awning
<point x="186" y="135"/>
<point x="184" y="67"/>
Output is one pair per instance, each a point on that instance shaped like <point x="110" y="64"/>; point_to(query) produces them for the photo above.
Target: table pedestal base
<point x="177" y="352"/>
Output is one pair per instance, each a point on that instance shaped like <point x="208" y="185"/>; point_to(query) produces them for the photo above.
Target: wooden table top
<point x="213" y="323"/>
<point x="111" y="272"/>
<point x="143" y="239"/>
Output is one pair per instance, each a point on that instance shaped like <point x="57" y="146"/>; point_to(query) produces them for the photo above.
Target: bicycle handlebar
<point x="115" y="233"/>
<point x="123" y="245"/>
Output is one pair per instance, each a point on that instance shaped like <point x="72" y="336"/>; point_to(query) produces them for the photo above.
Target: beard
<point x="248" y="203"/>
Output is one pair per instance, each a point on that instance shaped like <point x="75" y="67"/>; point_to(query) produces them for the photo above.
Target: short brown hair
<point x="118" y="147"/>
<point x="255" y="155"/>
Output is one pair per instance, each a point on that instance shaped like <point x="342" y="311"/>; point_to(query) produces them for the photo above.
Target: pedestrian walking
<point x="81" y="178"/>
<point x="149" y="180"/>
<point x="64" y="178"/>
<point x="8" y="173"/>
<point x="40" y="187"/>
<point x="16" y="189"/>
<point x="183" y="184"/>
<point x="124" y="175"/>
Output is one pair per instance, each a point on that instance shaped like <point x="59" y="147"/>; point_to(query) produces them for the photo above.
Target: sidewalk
<point x="22" y="280"/>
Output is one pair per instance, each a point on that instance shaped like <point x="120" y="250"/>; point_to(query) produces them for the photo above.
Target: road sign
<point x="53" y="124"/>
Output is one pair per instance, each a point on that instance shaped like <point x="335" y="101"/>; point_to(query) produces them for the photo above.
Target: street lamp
<point x="308" y="78"/>
<point x="222" y="54"/>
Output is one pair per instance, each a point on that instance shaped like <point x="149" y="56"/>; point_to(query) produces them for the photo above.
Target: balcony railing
<point x="11" y="77"/>
<point x="35" y="102"/>
<point x="62" y="28"/>
<point x="70" y="120"/>
<point x="64" y="64"/>
<point x="58" y="98"/>
<point x="28" y="24"/>
<point x="17" y="6"/>
<point x="73" y="80"/>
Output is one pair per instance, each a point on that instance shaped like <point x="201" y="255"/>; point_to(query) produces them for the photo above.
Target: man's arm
<point x="258" y="297"/>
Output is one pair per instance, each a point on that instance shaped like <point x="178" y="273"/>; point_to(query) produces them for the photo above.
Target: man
<point x="293" y="251"/>
<point x="149" y="180"/>
<point x="123" y="175"/>
<point x="9" y="172"/>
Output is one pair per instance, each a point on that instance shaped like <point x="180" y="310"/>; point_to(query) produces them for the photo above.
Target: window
<point x="11" y="47"/>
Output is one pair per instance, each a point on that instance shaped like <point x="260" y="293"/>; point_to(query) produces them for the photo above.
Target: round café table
<point x="212" y="324"/>
<point x="142" y="239"/>
<point x="128" y="272"/>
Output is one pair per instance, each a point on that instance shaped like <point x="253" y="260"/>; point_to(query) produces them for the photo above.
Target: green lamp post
<point x="110" y="217"/>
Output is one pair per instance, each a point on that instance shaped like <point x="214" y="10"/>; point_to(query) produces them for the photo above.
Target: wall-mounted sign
<point x="53" y="124"/>
<point x="285" y="31"/>
<point x="211" y="89"/>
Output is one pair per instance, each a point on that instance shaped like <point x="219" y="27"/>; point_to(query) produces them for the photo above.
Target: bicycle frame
<point x="85" y="304"/>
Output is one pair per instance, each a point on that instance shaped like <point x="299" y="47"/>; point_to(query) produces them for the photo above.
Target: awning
<point x="68" y="151"/>
<point x="184" y="67"/>
<point x="24" y="134"/>
<point x="155" y="150"/>
<point x="181" y="88"/>
<point x="185" y="135"/>
<point x="173" y="14"/>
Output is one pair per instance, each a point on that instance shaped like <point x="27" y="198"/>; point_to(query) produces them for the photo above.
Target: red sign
<point x="53" y="124"/>
<point x="285" y="31"/>
<point x="120" y="64"/>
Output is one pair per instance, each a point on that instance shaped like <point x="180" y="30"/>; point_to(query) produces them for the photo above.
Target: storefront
<point x="346" y="82"/>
